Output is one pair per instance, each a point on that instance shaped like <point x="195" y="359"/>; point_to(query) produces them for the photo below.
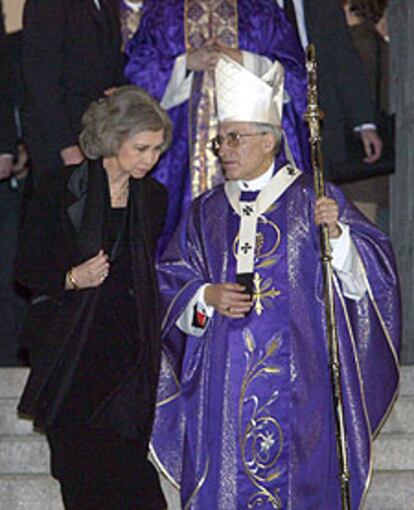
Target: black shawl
<point x="73" y="210"/>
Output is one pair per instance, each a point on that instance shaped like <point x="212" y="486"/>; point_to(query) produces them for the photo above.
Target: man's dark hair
<point x="371" y="10"/>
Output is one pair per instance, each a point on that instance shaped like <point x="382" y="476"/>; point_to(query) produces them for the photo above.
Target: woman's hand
<point x="327" y="213"/>
<point x="89" y="274"/>
<point x="229" y="299"/>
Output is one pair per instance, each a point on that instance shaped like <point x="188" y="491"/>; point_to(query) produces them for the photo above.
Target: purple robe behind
<point x="245" y="413"/>
<point x="262" y="29"/>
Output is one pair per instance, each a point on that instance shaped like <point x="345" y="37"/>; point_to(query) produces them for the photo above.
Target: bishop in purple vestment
<point x="245" y="416"/>
<point x="173" y="56"/>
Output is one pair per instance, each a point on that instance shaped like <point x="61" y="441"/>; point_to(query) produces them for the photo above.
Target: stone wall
<point x="401" y="21"/>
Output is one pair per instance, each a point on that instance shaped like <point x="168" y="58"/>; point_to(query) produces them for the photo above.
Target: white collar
<point x="259" y="182"/>
<point x="97" y="4"/>
<point x="249" y="212"/>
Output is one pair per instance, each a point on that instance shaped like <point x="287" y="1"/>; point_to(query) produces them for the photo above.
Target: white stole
<point x="249" y="212"/>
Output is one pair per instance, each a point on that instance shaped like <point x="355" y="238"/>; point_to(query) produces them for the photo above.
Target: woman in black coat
<point x="87" y="254"/>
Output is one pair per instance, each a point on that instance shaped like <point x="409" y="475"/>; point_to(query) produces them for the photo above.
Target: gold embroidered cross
<point x="263" y="293"/>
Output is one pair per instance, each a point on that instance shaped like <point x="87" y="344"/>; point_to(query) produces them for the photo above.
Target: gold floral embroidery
<point x="260" y="435"/>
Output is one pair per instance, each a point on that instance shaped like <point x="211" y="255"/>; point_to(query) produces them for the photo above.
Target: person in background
<point x="86" y="254"/>
<point x="71" y="56"/>
<point x="173" y="56"/>
<point x="344" y="92"/>
<point x="371" y="194"/>
<point x="362" y="18"/>
<point x="13" y="170"/>
<point x="245" y="387"/>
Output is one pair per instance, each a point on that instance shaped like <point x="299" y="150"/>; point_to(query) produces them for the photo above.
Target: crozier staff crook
<point x="313" y="117"/>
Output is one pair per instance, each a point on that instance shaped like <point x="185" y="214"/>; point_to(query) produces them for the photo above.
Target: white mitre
<point x="244" y="97"/>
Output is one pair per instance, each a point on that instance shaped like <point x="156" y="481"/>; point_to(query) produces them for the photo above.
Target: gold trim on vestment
<point x="390" y="344"/>
<point x="172" y="304"/>
<point x="211" y="22"/>
<point x="198" y="486"/>
<point x="395" y="358"/>
<point x="261" y="426"/>
<point x="163" y="470"/>
<point x="361" y="386"/>
<point x="372" y="434"/>
<point x="129" y="21"/>
<point x="168" y="399"/>
<point x="172" y="397"/>
<point x="260" y="239"/>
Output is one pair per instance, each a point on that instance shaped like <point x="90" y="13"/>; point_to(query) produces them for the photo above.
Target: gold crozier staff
<point x="313" y="117"/>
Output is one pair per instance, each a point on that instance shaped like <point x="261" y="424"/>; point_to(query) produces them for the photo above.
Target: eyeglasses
<point x="232" y="139"/>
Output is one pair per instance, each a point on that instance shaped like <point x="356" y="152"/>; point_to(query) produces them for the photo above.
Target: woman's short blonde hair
<point x="108" y="122"/>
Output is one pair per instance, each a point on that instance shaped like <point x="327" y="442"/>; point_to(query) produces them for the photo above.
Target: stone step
<point x="401" y="418"/>
<point x="12" y="381"/>
<point x="32" y="488"/>
<point x="29" y="492"/>
<point x="10" y="423"/>
<point x="394" y="452"/>
<point x="407" y="382"/>
<point x="24" y="454"/>
<point x="391" y="490"/>
<point x="388" y="491"/>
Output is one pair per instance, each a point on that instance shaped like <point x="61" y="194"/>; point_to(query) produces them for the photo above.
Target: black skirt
<point x="98" y="470"/>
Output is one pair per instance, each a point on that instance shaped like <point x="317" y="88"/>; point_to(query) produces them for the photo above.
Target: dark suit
<point x="12" y="306"/>
<point x="11" y="91"/>
<point x="2" y="28"/>
<point x="374" y="53"/>
<point x="71" y="55"/>
<point x="344" y="91"/>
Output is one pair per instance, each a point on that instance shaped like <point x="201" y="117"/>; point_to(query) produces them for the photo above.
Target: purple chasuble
<point x="262" y="29"/>
<point x="245" y="415"/>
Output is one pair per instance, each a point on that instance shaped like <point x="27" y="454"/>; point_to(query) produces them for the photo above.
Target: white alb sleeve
<point x="367" y="125"/>
<point x="179" y="87"/>
<point x="347" y="265"/>
<point x="185" y="322"/>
